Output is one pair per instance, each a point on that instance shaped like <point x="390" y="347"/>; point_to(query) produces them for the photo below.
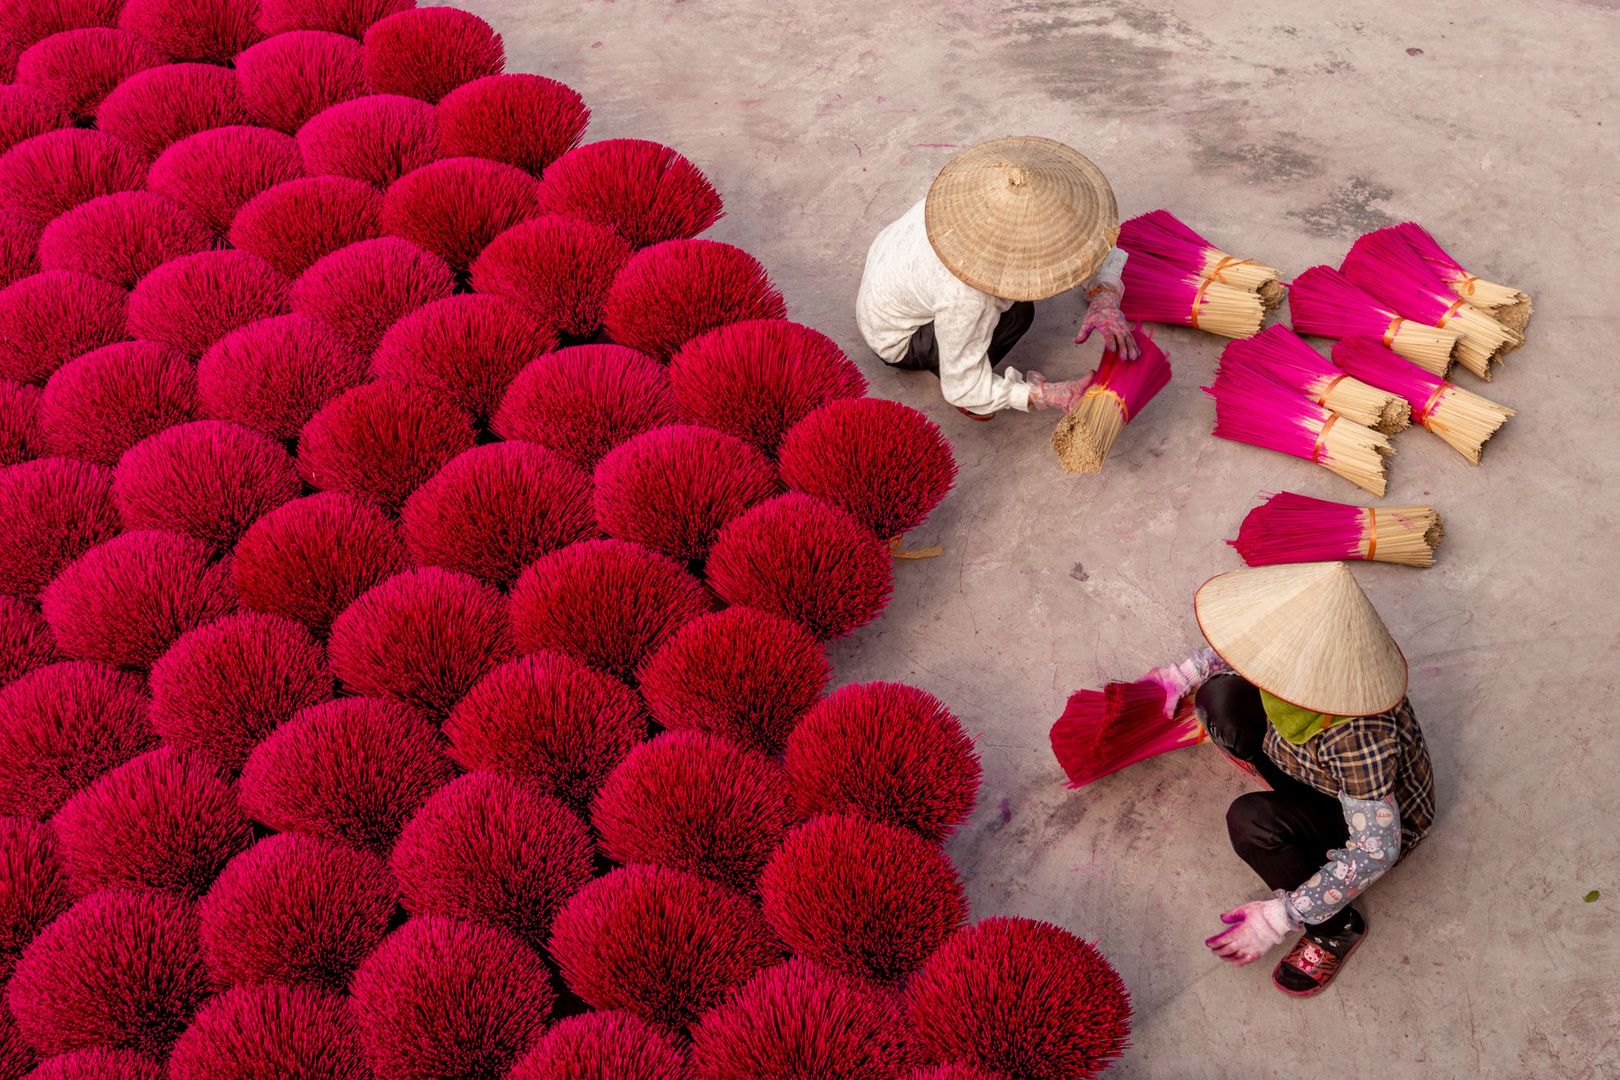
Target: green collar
<point x="1294" y="723"/>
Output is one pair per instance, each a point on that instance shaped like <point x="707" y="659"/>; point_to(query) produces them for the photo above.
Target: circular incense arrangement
<point x="422" y="550"/>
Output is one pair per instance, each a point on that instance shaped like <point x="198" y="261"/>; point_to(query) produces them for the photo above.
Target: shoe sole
<point x="1323" y="986"/>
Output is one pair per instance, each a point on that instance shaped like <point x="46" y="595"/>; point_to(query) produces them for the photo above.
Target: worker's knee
<point x="1229" y="708"/>
<point x="1252" y="825"/>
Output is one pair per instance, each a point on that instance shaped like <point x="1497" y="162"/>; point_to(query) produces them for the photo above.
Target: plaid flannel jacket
<point x="1367" y="757"/>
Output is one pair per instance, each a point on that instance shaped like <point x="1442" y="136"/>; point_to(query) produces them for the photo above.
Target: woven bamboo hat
<point x="1306" y="633"/>
<point x="1021" y="217"/>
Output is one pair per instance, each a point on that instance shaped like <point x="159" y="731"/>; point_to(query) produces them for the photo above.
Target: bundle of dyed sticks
<point x="1175" y="276"/>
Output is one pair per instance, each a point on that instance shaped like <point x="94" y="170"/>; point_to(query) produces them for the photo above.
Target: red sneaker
<point x="1317" y="957"/>
<point x="974" y="415"/>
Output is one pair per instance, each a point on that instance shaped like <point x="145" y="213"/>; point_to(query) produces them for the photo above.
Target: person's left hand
<point x="1252" y="930"/>
<point x="1103" y="314"/>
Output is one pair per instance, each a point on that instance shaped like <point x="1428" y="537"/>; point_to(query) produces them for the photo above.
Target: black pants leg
<point x="1283" y="834"/>
<point x="923" y="352"/>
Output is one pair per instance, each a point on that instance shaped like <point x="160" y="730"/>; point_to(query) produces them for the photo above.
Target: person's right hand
<point x="1179" y="680"/>
<point x="1055" y="395"/>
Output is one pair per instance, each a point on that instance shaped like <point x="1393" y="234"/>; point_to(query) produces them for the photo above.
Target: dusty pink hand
<point x="1104" y="314"/>
<point x="1252" y="930"/>
<point x="1056" y="395"/>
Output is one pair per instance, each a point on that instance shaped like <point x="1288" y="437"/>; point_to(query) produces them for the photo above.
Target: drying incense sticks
<point x="1505" y="304"/>
<point x="1157" y="291"/>
<point x="1463" y="419"/>
<point x="1290" y="528"/>
<point x="1119" y="388"/>
<point x="1322" y="302"/>
<point x="1160" y="234"/>
<point x="1252" y="406"/>
<point x="1101" y="733"/>
<point x="1280" y="351"/>
<point x="1384" y="266"/>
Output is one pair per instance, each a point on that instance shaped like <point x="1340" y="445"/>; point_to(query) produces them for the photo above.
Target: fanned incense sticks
<point x="1280" y="351"/>
<point x="1119" y="388"/>
<point x="1102" y="733"/>
<point x="1290" y="528"/>
<point x="1160" y="234"/>
<point x="1463" y="419"/>
<point x="1157" y="291"/>
<point x="1384" y="266"/>
<point x="1505" y="304"/>
<point x="1252" y="406"/>
<point x="1322" y="302"/>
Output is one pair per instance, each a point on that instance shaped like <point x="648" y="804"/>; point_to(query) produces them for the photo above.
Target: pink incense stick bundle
<point x="1280" y="351"/>
<point x="1289" y="528"/>
<point x="1101" y="733"/>
<point x="1252" y="406"/>
<point x="1384" y="266"/>
<point x="1505" y="304"/>
<point x="1119" y="388"/>
<point x="1324" y="303"/>
<point x="1463" y="419"/>
<point x="1158" y="291"/>
<point x="1160" y="234"/>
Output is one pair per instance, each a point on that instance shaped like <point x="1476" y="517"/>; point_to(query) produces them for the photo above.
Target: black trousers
<point x="1284" y="834"/>
<point x="923" y="352"/>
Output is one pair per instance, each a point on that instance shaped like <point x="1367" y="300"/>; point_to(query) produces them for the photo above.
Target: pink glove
<point x="1103" y="314"/>
<point x="1254" y="929"/>
<point x="1179" y="680"/>
<point x="1055" y="395"/>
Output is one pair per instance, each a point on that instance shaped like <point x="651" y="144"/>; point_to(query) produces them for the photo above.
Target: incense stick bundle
<point x="1160" y="234"/>
<point x="1322" y="302"/>
<point x="1281" y="352"/>
<point x="1156" y="291"/>
<point x="1463" y="419"/>
<point x="1119" y="388"/>
<point x="1252" y="406"/>
<point x="1386" y="268"/>
<point x="1102" y="733"/>
<point x="1505" y="304"/>
<point x="1289" y="528"/>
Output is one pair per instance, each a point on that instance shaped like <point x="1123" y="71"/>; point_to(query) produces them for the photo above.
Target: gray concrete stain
<point x="1348" y="211"/>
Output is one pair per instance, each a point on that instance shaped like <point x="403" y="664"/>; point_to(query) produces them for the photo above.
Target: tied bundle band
<point x="1391" y="330"/>
<point x="1198" y="298"/>
<point x="1422" y="415"/>
<point x="1321" y="438"/>
<point x="1327" y="390"/>
<point x="1450" y="311"/>
<point x="1466" y="283"/>
<point x="916" y="553"/>
<point x="1372" y="532"/>
<point x="1099" y="391"/>
<point x="1227" y="262"/>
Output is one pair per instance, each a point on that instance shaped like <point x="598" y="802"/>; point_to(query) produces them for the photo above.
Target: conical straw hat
<point x="1306" y="633"/>
<point x="1022" y="217"/>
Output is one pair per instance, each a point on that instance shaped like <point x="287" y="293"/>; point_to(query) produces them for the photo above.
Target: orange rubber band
<point x="1321" y="437"/>
<point x="1467" y="283"/>
<point x="1422" y="415"/>
<point x="1393" y="329"/>
<point x="1450" y="311"/>
<point x="1226" y="262"/>
<point x="1322" y="401"/>
<point x="1099" y="391"/>
<point x="1372" y="532"/>
<point x="1198" y="298"/>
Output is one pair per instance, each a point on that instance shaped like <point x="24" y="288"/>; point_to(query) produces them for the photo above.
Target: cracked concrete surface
<point x="1280" y="130"/>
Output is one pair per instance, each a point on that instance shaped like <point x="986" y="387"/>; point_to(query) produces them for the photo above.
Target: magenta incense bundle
<point x="1290" y="528"/>
<point x="1252" y="406"/>
<point x="1505" y="304"/>
<point x="1118" y="391"/>
<point x="1463" y="419"/>
<point x="1101" y="733"/>
<point x="1158" y="291"/>
<point x="1280" y="351"/>
<point x="1160" y="234"/>
<point x="1321" y="301"/>
<point x="1389" y="270"/>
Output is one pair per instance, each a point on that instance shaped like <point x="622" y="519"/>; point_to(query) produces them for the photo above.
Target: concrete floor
<point x="1280" y="132"/>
